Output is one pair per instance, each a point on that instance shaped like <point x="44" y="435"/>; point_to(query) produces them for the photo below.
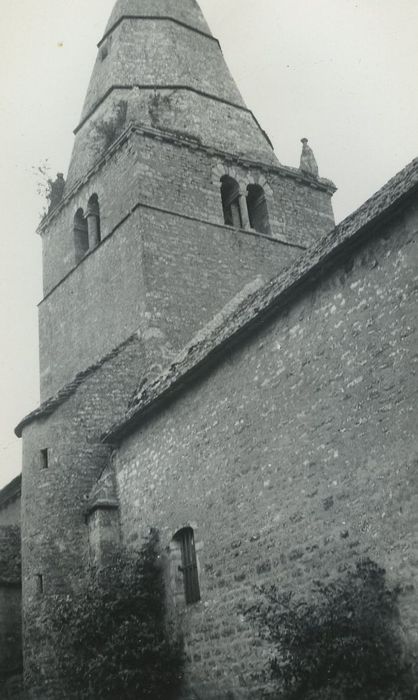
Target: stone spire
<point x="159" y="65"/>
<point x="308" y="162"/>
<point x="186" y="11"/>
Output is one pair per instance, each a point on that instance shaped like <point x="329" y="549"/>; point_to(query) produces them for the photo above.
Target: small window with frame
<point x="184" y="552"/>
<point x="44" y="457"/>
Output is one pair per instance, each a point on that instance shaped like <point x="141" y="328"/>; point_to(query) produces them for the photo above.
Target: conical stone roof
<point x="186" y="11"/>
<point x="158" y="65"/>
<point x="159" y="44"/>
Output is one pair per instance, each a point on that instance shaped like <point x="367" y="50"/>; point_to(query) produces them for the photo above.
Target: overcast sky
<point x="341" y="72"/>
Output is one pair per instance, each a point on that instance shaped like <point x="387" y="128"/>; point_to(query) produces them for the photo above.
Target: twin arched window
<point x="242" y="211"/>
<point x="87" y="234"/>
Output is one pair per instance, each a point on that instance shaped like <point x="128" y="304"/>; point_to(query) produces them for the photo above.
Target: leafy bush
<point x="342" y="642"/>
<point x="109" y="128"/>
<point x="114" y="639"/>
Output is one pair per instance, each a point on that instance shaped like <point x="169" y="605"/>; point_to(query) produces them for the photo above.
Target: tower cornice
<point x="184" y="141"/>
<point x="156" y="86"/>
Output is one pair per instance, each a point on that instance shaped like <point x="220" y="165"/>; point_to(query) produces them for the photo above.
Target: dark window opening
<point x="93" y="221"/>
<point x="81" y="235"/>
<point x="39" y="584"/>
<point x="230" y="202"/>
<point x="257" y="209"/>
<point x="44" y="459"/>
<point x="189" y="569"/>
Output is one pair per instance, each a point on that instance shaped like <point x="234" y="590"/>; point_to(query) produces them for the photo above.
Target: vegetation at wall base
<point x="114" y="639"/>
<point x="342" y="641"/>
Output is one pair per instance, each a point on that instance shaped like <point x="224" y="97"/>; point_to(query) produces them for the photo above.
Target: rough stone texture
<point x="103" y="517"/>
<point x="162" y="224"/>
<point x="56" y="500"/>
<point x="55" y="504"/>
<point x="10" y="561"/>
<point x="216" y="125"/>
<point x="170" y="73"/>
<point x="297" y="454"/>
<point x="10" y="592"/>
<point x="150" y="277"/>
<point x="187" y="11"/>
<point x="157" y="53"/>
<point x="10" y="632"/>
<point x="243" y="311"/>
<point x="13" y="689"/>
<point x="10" y="611"/>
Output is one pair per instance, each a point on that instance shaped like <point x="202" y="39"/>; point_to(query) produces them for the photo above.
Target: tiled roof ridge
<point x="239" y="314"/>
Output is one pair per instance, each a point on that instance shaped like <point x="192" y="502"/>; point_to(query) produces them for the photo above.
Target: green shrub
<point x="341" y="642"/>
<point x="114" y="639"/>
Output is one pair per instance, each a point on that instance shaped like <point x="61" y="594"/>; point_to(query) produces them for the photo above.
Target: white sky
<point x="341" y="72"/>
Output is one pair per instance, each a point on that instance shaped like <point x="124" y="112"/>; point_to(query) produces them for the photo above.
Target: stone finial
<point x="308" y="163"/>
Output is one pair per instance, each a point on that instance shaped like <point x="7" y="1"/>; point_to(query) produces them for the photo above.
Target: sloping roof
<point x="49" y="406"/>
<point x="11" y="491"/>
<point x="209" y="344"/>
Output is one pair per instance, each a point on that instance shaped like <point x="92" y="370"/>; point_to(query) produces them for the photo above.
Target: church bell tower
<point x="166" y="155"/>
<point x="174" y="200"/>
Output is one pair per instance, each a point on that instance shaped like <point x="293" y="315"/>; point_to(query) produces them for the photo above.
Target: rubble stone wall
<point x="295" y="457"/>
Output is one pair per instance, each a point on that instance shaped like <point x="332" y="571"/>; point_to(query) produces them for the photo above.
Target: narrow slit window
<point x="39" y="584"/>
<point x="44" y="459"/>
<point x="188" y="568"/>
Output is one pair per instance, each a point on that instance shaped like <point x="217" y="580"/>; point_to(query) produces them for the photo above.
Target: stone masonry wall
<point x="10" y="632"/>
<point x="191" y="267"/>
<point x="297" y="455"/>
<point x="55" y="534"/>
<point x="188" y="11"/>
<point x="179" y="111"/>
<point x="10" y="512"/>
<point x="55" y="542"/>
<point x="153" y="270"/>
<point x="10" y="610"/>
<point x="162" y="201"/>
